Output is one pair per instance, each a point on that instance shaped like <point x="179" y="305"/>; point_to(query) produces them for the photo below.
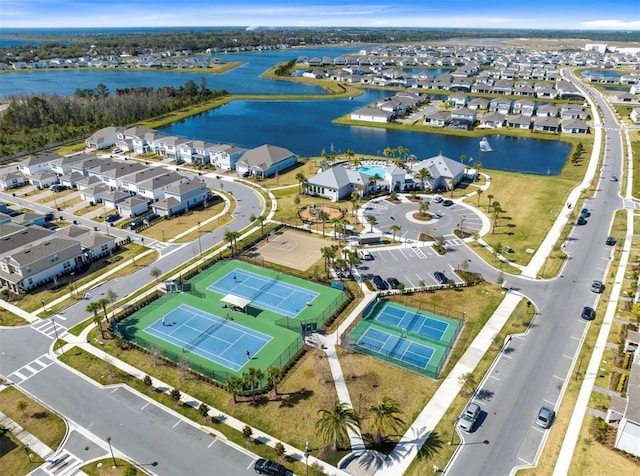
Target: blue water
<point x="371" y="170"/>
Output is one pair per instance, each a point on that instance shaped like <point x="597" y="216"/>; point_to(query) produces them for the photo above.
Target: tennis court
<point x="269" y="293"/>
<point x="211" y="337"/>
<point x="396" y="347"/>
<point x="413" y="321"/>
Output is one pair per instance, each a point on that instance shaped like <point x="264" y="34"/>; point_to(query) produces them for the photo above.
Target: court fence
<point x="332" y="310"/>
<point x="284" y="361"/>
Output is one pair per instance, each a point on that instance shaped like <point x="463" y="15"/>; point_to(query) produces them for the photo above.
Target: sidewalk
<point x="33" y="444"/>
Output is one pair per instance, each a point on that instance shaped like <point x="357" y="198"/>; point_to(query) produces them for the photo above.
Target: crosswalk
<point x="159" y="245"/>
<point x="51" y="327"/>
<point x="29" y="370"/>
<point x="63" y="464"/>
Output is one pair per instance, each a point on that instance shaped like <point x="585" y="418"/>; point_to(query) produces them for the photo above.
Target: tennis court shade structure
<point x="237" y="301"/>
<point x="204" y="328"/>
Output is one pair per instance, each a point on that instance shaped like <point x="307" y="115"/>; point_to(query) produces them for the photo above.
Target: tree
<point x="478" y="193"/>
<point x="374" y="179"/>
<point x="395" y="228"/>
<point x="234" y="385"/>
<point x="21" y="406"/>
<point x="349" y="154"/>
<point x="176" y="395"/>
<point x="423" y="174"/>
<point x="468" y="383"/>
<point x="94" y="307"/>
<point x="496" y="214"/>
<point x="231" y="237"/>
<point x="328" y="253"/>
<point x="423" y="208"/>
<point x="103" y="303"/>
<point x="489" y="197"/>
<point x="386" y="417"/>
<point x="252" y="379"/>
<point x="155" y="273"/>
<point x="274" y="375"/>
<point x="323" y="216"/>
<point x="463" y="157"/>
<point x="247" y="431"/>
<point x="112" y="296"/>
<point x="334" y="424"/>
<point x="302" y="181"/>
<point x="388" y="152"/>
<point x="371" y="220"/>
<point x="203" y="409"/>
<point x="280" y="450"/>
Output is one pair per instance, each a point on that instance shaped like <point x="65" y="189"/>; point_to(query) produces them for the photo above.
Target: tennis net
<point x="195" y="342"/>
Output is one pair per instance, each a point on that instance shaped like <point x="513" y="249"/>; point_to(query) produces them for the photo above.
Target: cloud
<point x="611" y="25"/>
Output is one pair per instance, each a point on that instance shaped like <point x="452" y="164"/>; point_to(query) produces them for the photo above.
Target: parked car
<point x="117" y="150"/>
<point x="611" y="240"/>
<point x="588" y="313"/>
<point x="545" y="417"/>
<point x="393" y="282"/>
<point x="149" y="218"/>
<point x="437" y="199"/>
<point x="585" y="213"/>
<point x="440" y="277"/>
<point x="112" y="218"/>
<point x="581" y="220"/>
<point x="265" y="466"/>
<point x="57" y="188"/>
<point x="447" y="203"/>
<point x="597" y="286"/>
<point x="614" y="178"/>
<point x="137" y="223"/>
<point x="380" y="283"/>
<point x="365" y="255"/>
<point x="469" y="417"/>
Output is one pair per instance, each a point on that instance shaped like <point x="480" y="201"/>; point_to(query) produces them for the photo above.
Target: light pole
<point x="453" y="433"/>
<point x="162" y="234"/>
<point x="55" y="330"/>
<point x="199" y="243"/>
<point x="111" y="451"/>
<point x="44" y="309"/>
<point x="306" y="455"/>
<point x="26" y="450"/>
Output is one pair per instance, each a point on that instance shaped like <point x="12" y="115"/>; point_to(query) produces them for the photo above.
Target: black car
<point x="581" y="220"/>
<point x="112" y="218"/>
<point x="447" y="203"/>
<point x="56" y="188"/>
<point x="151" y="217"/>
<point x="380" y="283"/>
<point x="585" y="213"/>
<point x="393" y="282"/>
<point x="440" y="277"/>
<point x="588" y="313"/>
<point x="611" y="241"/>
<point x="137" y="223"/>
<point x="265" y="466"/>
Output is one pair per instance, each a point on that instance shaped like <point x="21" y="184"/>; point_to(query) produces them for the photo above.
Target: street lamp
<point x="55" y="330"/>
<point x="44" y="309"/>
<point x="111" y="450"/>
<point x="199" y="243"/>
<point x="162" y="234"/>
<point x="25" y="447"/>
<point x="306" y="455"/>
<point x="453" y="433"/>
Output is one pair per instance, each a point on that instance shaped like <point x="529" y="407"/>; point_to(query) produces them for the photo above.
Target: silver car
<point x="469" y="417"/>
<point x="545" y="417"/>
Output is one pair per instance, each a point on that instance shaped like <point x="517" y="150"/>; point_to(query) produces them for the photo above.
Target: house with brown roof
<point x="266" y="160"/>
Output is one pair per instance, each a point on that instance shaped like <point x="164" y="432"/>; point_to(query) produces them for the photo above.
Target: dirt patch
<point x="291" y="248"/>
<point x="311" y="214"/>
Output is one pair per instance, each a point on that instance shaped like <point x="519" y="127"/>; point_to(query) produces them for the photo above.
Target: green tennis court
<point x="270" y="337"/>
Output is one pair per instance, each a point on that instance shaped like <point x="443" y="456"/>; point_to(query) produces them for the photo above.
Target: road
<point x="150" y="435"/>
<point x="534" y="368"/>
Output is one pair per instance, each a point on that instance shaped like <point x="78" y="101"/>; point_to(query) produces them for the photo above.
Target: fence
<point x="329" y="312"/>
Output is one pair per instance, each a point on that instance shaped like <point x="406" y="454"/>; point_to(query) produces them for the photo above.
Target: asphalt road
<point x="150" y="435"/>
<point x="534" y="368"/>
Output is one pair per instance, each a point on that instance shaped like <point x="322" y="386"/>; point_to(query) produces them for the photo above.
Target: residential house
<point x="478" y="103"/>
<point x="133" y="206"/>
<point x="130" y="182"/>
<point x="104" y="138"/>
<point x="519" y="122"/>
<point x="83" y="167"/>
<point x="501" y="105"/>
<point x="94" y="193"/>
<point x="37" y="164"/>
<point x="493" y="120"/>
<point x="628" y="435"/>
<point x="266" y="161"/>
<point x="62" y="165"/>
<point x="43" y="179"/>
<point x="112" y="198"/>
<point x="94" y="244"/>
<point x="154" y="189"/>
<point x="169" y="147"/>
<point x="635" y="115"/>
<point x="547" y="110"/>
<point x="372" y="114"/>
<point x="524" y="107"/>
<point x="625" y="97"/>
<point x="11" y="180"/>
<point x="462" y="118"/>
<point x="71" y="179"/>
<point x="574" y="126"/>
<point x="574" y="111"/>
<point x="29" y="218"/>
<point x="182" y="197"/>
<point x="226" y="157"/>
<point x="114" y="177"/>
<point x="437" y="118"/>
<point x="546" y="124"/>
<point x="457" y="100"/>
<point x="196" y="152"/>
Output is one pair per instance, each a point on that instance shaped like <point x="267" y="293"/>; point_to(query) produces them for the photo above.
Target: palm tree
<point x="261" y="219"/>
<point x="328" y="253"/>
<point x="496" y="214"/>
<point x="252" y="378"/>
<point x="323" y="216"/>
<point x="403" y="151"/>
<point x="385" y="417"/>
<point x="463" y="158"/>
<point x="103" y="303"/>
<point x="234" y="385"/>
<point x="301" y="181"/>
<point x="349" y="154"/>
<point x="274" y="375"/>
<point x="112" y="296"/>
<point x="490" y="197"/>
<point x="371" y="220"/>
<point x="423" y="208"/>
<point x="423" y="174"/>
<point x="232" y="237"/>
<point x="388" y="152"/>
<point x="338" y="227"/>
<point x="478" y="193"/>
<point x="374" y="179"/>
<point x="94" y="307"/>
<point x="395" y="229"/>
<point x="334" y="424"/>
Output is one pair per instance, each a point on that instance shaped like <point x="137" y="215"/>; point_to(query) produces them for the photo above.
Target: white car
<point x="469" y="417"/>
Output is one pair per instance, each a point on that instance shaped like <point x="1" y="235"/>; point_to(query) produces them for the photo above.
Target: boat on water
<point x="484" y="145"/>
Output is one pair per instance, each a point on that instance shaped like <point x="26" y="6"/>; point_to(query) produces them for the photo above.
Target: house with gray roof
<point x="11" y="180"/>
<point x="104" y="138"/>
<point x="628" y="435"/>
<point x="114" y="176"/>
<point x="62" y="165"/>
<point x="225" y="156"/>
<point x="130" y="182"/>
<point x="43" y="179"/>
<point x="445" y="172"/>
<point x="133" y="206"/>
<point x="182" y="197"/>
<point x="519" y="122"/>
<point x="372" y="114"/>
<point x="154" y="188"/>
<point x="37" y="164"/>
<point x="574" y="126"/>
<point x="94" y="244"/>
<point x="338" y="183"/>
<point x="266" y="160"/>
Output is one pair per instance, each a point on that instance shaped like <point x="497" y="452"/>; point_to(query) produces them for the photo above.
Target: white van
<point x="365" y="255"/>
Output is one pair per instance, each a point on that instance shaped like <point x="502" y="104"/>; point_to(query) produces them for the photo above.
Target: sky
<point x="620" y="15"/>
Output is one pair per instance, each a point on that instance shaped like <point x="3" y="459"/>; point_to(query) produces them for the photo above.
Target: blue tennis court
<point x="266" y="293"/>
<point x="413" y="321"/>
<point x="212" y="337"/>
<point x="396" y="347"/>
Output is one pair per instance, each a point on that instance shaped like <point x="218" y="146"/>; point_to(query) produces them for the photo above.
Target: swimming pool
<point x="372" y="170"/>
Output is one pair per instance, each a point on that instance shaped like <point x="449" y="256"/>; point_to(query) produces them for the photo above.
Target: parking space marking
<point x="550" y="402"/>
<point x="559" y="378"/>
<point x="567" y="356"/>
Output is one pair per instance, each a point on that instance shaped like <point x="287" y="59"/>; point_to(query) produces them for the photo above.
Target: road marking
<point x="567" y="356"/>
<point x="550" y="402"/>
<point x="559" y="378"/>
<point x="537" y="428"/>
<point x="212" y="443"/>
<point x="524" y="461"/>
<point x="114" y="390"/>
<point x="504" y="356"/>
<point x="177" y="423"/>
<point x="576" y="338"/>
<point x="251" y="464"/>
<point x="495" y="378"/>
<point x="145" y="405"/>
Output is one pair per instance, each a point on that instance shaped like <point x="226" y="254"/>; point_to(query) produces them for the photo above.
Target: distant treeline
<point x="63" y="45"/>
<point x="32" y="122"/>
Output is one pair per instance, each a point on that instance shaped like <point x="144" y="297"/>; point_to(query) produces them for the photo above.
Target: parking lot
<point x="412" y="265"/>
